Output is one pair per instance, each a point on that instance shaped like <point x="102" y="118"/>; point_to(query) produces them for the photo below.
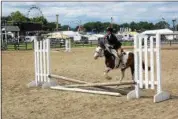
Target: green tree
<point x="97" y="26"/>
<point x="116" y="27"/>
<point x="65" y="27"/>
<point x="50" y="26"/>
<point x="7" y="18"/>
<point x="143" y="25"/>
<point x="18" y="17"/>
<point x="88" y="26"/>
<point x="134" y="26"/>
<point x="162" y="25"/>
<point x="40" y="19"/>
<point x="105" y="25"/>
<point x="125" y="25"/>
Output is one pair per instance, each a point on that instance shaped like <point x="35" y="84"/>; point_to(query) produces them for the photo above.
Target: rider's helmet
<point x="109" y="29"/>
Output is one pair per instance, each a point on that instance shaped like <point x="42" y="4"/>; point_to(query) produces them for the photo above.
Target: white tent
<point x="161" y="31"/>
<point x="92" y="37"/>
<point x="77" y="36"/>
<point x="57" y="35"/>
<point x="157" y="31"/>
<point x="99" y="35"/>
<point x="69" y="33"/>
<point x="95" y="36"/>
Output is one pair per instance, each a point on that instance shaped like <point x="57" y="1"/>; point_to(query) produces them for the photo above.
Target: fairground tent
<point x="161" y="31"/>
<point x="69" y="33"/>
<point x="57" y="35"/>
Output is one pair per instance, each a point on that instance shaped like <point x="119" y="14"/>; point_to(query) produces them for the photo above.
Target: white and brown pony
<point x="126" y="60"/>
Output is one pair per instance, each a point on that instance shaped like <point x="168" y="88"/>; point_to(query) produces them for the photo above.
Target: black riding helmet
<point x="110" y="29"/>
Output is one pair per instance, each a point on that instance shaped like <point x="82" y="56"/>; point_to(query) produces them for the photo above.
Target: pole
<point x="18" y="37"/>
<point x="111" y="22"/>
<point x="158" y="62"/>
<point x="174" y="28"/>
<point x="5" y="34"/>
<point x="57" y="27"/>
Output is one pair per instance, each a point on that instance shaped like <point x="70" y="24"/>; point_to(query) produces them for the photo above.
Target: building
<point x="10" y="33"/>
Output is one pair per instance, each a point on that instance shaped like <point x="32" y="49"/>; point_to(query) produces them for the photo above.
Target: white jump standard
<point x="147" y="82"/>
<point x="67" y="45"/>
<point x="42" y="63"/>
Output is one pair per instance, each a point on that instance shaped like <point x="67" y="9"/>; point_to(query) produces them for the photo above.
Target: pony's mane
<point x="101" y="43"/>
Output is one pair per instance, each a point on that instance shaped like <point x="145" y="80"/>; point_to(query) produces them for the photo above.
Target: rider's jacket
<point x="113" y="41"/>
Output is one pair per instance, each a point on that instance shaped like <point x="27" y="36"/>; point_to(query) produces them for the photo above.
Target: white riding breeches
<point x="114" y="52"/>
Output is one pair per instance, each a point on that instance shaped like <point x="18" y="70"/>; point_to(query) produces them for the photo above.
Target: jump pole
<point x="66" y="79"/>
<point x="80" y="82"/>
<point x="85" y="91"/>
<point x="101" y="84"/>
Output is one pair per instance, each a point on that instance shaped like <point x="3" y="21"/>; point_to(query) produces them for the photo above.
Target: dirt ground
<point x="20" y="102"/>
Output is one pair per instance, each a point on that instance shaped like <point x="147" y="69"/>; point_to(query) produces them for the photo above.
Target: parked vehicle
<point x="29" y="38"/>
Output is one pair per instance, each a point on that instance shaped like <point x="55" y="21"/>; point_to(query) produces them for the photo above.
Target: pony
<point x="126" y="60"/>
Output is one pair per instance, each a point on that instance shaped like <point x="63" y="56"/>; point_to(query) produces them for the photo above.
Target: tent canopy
<point x="69" y="33"/>
<point x="161" y="31"/>
<point x="57" y="35"/>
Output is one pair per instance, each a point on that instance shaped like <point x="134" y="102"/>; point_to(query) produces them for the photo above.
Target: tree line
<point x="139" y="26"/>
<point x="97" y="26"/>
<point x="17" y="17"/>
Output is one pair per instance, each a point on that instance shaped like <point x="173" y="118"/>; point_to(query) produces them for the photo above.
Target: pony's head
<point x="98" y="52"/>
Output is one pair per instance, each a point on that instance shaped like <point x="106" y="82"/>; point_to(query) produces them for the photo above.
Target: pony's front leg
<point x="122" y="75"/>
<point x="106" y="73"/>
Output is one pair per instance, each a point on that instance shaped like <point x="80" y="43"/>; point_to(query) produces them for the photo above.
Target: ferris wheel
<point x="34" y="11"/>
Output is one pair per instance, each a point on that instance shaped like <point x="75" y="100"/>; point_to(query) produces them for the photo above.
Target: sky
<point x="70" y="13"/>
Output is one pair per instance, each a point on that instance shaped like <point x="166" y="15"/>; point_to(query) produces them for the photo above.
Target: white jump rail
<point x="85" y="91"/>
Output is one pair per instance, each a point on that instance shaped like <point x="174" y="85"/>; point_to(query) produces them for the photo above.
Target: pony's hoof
<point x="108" y="77"/>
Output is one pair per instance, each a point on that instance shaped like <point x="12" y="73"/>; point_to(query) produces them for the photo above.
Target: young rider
<point x="113" y="44"/>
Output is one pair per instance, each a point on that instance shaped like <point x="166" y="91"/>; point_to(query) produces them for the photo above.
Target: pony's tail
<point x="143" y="65"/>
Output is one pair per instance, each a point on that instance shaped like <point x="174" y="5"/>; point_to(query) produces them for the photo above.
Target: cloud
<point x="98" y="11"/>
<point x="168" y="9"/>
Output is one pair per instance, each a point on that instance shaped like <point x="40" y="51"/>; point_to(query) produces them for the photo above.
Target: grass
<point x="127" y="43"/>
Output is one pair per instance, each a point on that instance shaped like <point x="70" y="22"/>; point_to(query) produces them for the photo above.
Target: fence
<point x="18" y="46"/>
<point x="61" y="44"/>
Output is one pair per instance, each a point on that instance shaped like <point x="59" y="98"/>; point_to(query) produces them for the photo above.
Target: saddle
<point x="119" y="55"/>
